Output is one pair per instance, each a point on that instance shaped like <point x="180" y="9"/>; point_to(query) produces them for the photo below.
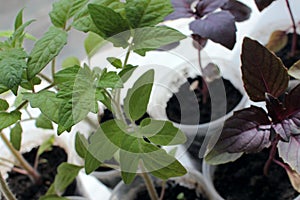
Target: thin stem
<point x="117" y="108"/>
<point x="294" y="41"/>
<point x="28" y="113"/>
<point x="127" y="56"/>
<point x="281" y="164"/>
<point x="22" y="105"/>
<point x="53" y="65"/>
<point x="23" y="163"/>
<point x="271" y="155"/>
<point x="46" y="78"/>
<point x="200" y="63"/>
<point x="48" y="87"/>
<point x="163" y="190"/>
<point x="5" y="189"/>
<point x="149" y="184"/>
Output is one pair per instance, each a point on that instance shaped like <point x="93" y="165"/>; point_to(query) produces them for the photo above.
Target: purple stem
<point x="271" y="155"/>
<point x="294" y="40"/>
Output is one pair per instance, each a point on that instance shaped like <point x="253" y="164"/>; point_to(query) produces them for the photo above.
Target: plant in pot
<point x="271" y="134"/>
<point x="200" y="104"/>
<point x="284" y="43"/>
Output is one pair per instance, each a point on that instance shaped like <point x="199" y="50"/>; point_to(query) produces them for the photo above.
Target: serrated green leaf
<point x="3" y="105"/>
<point x="16" y="136"/>
<point x="70" y="62"/>
<point x="126" y="72"/>
<point x="81" y="145"/>
<point x="111" y="25"/>
<point x="47" y="102"/>
<point x="45" y="49"/>
<point x="294" y="71"/>
<point x="43" y="122"/>
<point x="63" y="10"/>
<point x="117" y="63"/>
<point x="7" y="119"/>
<point x="19" y="19"/>
<point x="66" y="76"/>
<point x="162" y="132"/>
<point x="137" y="98"/>
<point x="46" y="145"/>
<point x="11" y="71"/>
<point x="142" y="13"/>
<point x="66" y="174"/>
<point x="93" y="43"/>
<point x="80" y="99"/>
<point x="109" y="80"/>
<point x="150" y="38"/>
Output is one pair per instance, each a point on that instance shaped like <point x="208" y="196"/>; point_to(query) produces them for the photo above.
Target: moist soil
<point x="244" y="179"/>
<point x="173" y="192"/>
<point x="284" y="53"/>
<point x="25" y="189"/>
<point x="188" y="99"/>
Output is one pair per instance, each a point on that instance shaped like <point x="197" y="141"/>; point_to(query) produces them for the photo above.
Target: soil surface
<point x="189" y="98"/>
<point x="287" y="60"/>
<point x="244" y="180"/>
<point x="25" y="189"/>
<point x="173" y="191"/>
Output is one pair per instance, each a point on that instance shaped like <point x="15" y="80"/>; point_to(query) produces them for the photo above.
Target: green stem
<point x="5" y="190"/>
<point x="22" y="105"/>
<point x="149" y="184"/>
<point x="127" y="56"/>
<point x="116" y="108"/>
<point x="23" y="163"/>
<point x="53" y="65"/>
<point x="45" y="78"/>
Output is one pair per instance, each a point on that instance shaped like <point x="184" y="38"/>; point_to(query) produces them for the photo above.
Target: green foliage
<point x="7" y="119"/>
<point x="93" y="43"/>
<point x="16" y="136"/>
<point x="137" y="98"/>
<point x="117" y="63"/>
<point x="45" y="49"/>
<point x="109" y="80"/>
<point x="3" y="105"/>
<point x="46" y="145"/>
<point x="43" y="122"/>
<point x="81" y="145"/>
<point x="70" y="62"/>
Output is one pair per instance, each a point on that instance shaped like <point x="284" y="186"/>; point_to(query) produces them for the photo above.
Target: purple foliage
<point x="214" y="19"/>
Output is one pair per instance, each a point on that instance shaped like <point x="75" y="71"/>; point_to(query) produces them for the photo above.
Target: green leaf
<point x="111" y="25"/>
<point x="93" y="43"/>
<point x="17" y="38"/>
<point x="80" y="99"/>
<point x="91" y="163"/>
<point x="47" y="102"/>
<point x="63" y="10"/>
<point x="45" y="49"/>
<point x="150" y="38"/>
<point x="294" y="71"/>
<point x="3" y="105"/>
<point x="161" y="132"/>
<point x="109" y="80"/>
<point x="117" y="63"/>
<point x="46" y="145"/>
<point x="126" y="72"/>
<point x="81" y="145"/>
<point x="216" y="158"/>
<point x="19" y="19"/>
<point x="8" y="34"/>
<point x="66" y="174"/>
<point x="16" y="136"/>
<point x="66" y="76"/>
<point x="11" y="72"/>
<point x="3" y="88"/>
<point x="29" y="84"/>
<point x="43" y="122"/>
<point x="70" y="62"/>
<point x="142" y="13"/>
<point x="137" y="98"/>
<point x="16" y="53"/>
<point x="7" y="119"/>
<point x="128" y="177"/>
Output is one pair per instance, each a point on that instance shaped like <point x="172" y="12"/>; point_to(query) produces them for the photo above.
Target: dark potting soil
<point x="244" y="179"/>
<point x="284" y="53"/>
<point x="172" y="192"/>
<point x="185" y="100"/>
<point x="25" y="189"/>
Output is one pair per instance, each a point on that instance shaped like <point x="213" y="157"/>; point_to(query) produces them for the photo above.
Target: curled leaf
<point x="294" y="179"/>
<point x="294" y="71"/>
<point x="277" y="41"/>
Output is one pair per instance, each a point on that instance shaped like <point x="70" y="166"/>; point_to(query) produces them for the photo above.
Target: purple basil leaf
<point x="292" y="100"/>
<point x="262" y="4"/>
<point x="218" y="27"/>
<point x="275" y="108"/>
<point x="290" y="152"/>
<point x="182" y="9"/>
<point x="262" y="71"/>
<point x="199" y="42"/>
<point x="248" y="130"/>
<point x="207" y="6"/>
<point x="286" y="128"/>
<point x="240" y="11"/>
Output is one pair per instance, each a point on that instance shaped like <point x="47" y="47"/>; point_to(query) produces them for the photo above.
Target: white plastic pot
<point x="193" y="179"/>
